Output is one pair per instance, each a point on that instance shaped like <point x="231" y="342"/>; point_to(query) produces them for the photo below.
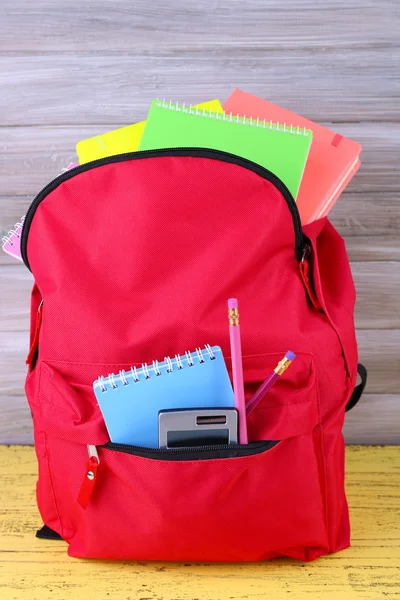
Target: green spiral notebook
<point x="279" y="147"/>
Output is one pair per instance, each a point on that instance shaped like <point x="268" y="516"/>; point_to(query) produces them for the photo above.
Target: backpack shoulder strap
<point x="358" y="390"/>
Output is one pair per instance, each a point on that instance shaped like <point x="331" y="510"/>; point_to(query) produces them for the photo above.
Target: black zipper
<point x="195" y="453"/>
<point x="199" y="152"/>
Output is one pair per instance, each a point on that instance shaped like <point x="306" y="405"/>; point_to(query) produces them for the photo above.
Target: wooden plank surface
<point x="375" y="418"/>
<point x="117" y="27"/>
<point x="210" y="75"/>
<point x="70" y="70"/>
<point x="32" y="569"/>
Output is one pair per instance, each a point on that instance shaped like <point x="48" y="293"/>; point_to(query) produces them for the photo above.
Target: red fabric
<point x="135" y="261"/>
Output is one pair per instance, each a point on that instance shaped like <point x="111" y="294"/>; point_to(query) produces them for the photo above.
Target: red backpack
<point x="134" y="257"/>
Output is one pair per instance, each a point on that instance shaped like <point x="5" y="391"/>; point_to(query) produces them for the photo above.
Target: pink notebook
<point x="331" y="164"/>
<point x="12" y="241"/>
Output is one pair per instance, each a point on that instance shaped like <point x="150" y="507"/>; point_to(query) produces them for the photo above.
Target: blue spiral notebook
<point x="131" y="400"/>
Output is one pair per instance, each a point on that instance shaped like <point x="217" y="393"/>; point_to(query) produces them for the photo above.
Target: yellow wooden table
<point x="32" y="569"/>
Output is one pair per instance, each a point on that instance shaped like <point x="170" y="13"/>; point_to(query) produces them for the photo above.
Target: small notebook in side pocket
<point x="131" y="400"/>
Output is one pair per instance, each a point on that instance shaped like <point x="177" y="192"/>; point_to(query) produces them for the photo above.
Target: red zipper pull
<point x="35" y="341"/>
<point x="305" y="275"/>
<point x="89" y="481"/>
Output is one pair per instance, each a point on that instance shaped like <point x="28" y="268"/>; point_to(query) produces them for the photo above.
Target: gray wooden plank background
<point x="71" y="69"/>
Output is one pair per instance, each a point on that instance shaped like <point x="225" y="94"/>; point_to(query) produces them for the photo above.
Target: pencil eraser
<point x="290" y="355"/>
<point x="232" y="303"/>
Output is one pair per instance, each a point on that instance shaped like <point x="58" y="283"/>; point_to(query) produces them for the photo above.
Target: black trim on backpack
<point x="45" y="533"/>
<point x="358" y="390"/>
<point x="196" y="452"/>
<point x="197" y="152"/>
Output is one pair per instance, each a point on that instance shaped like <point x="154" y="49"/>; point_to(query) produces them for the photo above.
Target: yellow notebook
<point x="125" y="139"/>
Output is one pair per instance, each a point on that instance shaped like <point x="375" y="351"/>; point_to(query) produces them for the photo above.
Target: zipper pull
<point x="35" y="341"/>
<point x="305" y="275"/>
<point x="92" y="467"/>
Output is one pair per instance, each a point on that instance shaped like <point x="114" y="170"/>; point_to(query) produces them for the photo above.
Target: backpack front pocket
<point x="221" y="503"/>
<point x="250" y="507"/>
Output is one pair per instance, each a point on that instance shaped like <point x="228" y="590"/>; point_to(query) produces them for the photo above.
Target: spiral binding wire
<point x="7" y="239"/>
<point x="149" y="371"/>
<point x="123" y="378"/>
<point x="231" y="118"/>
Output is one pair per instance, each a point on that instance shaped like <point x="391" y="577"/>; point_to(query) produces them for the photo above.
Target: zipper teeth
<point x="188" y="450"/>
<point x="201" y="152"/>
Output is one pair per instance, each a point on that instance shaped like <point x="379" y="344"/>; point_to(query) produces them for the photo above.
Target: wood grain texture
<point x="70" y="70"/>
<point x="370" y="214"/>
<point x="49" y="95"/>
<point x="32" y="569"/>
<point x="377" y="248"/>
<point x="118" y="27"/>
<point x="375" y="418"/>
<point x="379" y="351"/>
